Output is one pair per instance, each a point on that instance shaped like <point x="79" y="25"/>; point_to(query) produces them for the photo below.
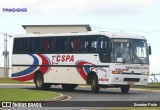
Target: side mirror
<point x="150" y="51"/>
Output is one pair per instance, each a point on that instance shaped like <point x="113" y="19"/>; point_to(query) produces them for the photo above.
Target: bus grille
<point x="132" y="79"/>
<point x="134" y="73"/>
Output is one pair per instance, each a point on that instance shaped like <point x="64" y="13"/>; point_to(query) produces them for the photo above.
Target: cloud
<point x="79" y="7"/>
<point x="154" y="64"/>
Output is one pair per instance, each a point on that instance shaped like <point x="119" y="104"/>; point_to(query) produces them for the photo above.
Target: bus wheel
<point x="69" y="87"/>
<point x="39" y="82"/>
<point x="94" y="84"/>
<point x="125" y="88"/>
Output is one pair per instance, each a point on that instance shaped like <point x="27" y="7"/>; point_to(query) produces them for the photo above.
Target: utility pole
<point x="6" y="55"/>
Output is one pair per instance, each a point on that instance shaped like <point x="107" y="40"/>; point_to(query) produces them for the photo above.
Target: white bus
<point x="101" y="60"/>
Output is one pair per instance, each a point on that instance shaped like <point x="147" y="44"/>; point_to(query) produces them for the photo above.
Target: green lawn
<point x="133" y="108"/>
<point x="150" y="86"/>
<point x="11" y="94"/>
<point x="11" y="81"/>
<point x="153" y="85"/>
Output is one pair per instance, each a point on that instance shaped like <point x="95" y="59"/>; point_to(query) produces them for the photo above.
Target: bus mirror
<point x="150" y="51"/>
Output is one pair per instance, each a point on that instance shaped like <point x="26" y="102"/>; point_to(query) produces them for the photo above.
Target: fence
<point x="155" y="78"/>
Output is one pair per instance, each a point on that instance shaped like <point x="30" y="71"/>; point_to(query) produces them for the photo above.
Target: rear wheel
<point x="125" y="88"/>
<point x="39" y="82"/>
<point x="69" y="87"/>
<point x="94" y="84"/>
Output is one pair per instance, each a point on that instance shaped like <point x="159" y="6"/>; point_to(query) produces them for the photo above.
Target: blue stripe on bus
<point x="87" y="69"/>
<point x="28" y="70"/>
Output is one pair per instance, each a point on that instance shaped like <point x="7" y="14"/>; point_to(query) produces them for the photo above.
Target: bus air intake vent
<point x="132" y="79"/>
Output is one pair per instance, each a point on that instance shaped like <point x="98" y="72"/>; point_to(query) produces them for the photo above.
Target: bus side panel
<point x="24" y="66"/>
<point x="59" y="68"/>
<point x="68" y="75"/>
<point x="73" y="68"/>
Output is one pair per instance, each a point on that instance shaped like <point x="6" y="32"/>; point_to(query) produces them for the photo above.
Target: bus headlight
<point x="117" y="72"/>
<point x="145" y="73"/>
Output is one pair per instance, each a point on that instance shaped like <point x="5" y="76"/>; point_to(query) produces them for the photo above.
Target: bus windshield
<point x="130" y="51"/>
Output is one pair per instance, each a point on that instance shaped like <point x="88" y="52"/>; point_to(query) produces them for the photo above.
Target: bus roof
<point x="109" y="34"/>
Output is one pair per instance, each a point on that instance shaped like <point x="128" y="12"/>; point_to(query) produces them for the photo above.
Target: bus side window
<point x="90" y="45"/>
<point x="25" y="45"/>
<point x="66" y="44"/>
<point x="39" y="45"/>
<point x="61" y="44"/>
<point x="85" y="47"/>
<point x="45" y="45"/>
<point x="75" y="45"/>
<point x="103" y="50"/>
<point x="32" y="45"/>
<point x="52" y="45"/>
<point x="17" y="45"/>
<point x="57" y="44"/>
<point x="93" y="45"/>
<point x="78" y="46"/>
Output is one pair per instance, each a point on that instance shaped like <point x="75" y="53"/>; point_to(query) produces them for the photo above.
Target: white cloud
<point x="79" y="7"/>
<point x="154" y="64"/>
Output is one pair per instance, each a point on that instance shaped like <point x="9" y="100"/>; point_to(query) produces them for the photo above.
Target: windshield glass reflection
<point x="129" y="51"/>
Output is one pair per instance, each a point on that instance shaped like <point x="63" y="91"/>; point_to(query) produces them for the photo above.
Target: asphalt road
<point x="83" y="95"/>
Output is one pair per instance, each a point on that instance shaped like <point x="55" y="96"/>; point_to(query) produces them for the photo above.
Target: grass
<point x="11" y="94"/>
<point x="150" y="86"/>
<point x="153" y="85"/>
<point x="133" y="108"/>
<point x="11" y="81"/>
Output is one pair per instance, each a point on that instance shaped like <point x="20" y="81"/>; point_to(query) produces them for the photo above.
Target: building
<point x="47" y="29"/>
<point x="1" y="72"/>
<point x="4" y="72"/>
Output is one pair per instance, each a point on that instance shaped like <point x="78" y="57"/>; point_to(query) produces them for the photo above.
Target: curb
<point x="145" y="90"/>
<point x="59" y="98"/>
<point x="134" y="89"/>
<point x="3" y="84"/>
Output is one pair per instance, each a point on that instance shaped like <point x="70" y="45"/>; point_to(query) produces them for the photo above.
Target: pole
<point x="4" y="58"/>
<point x="6" y="55"/>
<point x="7" y="58"/>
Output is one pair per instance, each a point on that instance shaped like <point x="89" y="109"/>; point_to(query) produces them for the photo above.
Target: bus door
<point x="103" y="45"/>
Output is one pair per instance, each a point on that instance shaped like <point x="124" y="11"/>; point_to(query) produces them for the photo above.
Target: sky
<point x="132" y="16"/>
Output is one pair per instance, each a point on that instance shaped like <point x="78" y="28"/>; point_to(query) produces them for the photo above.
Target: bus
<point x="100" y="60"/>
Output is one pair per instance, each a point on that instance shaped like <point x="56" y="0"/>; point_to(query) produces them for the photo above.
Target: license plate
<point x="130" y="83"/>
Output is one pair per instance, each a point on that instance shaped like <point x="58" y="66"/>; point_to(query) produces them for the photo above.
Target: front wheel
<point x="94" y="84"/>
<point x="125" y="88"/>
<point x="39" y="82"/>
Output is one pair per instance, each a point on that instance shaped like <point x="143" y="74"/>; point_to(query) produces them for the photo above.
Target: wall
<point x="1" y="72"/>
<point x="58" y="29"/>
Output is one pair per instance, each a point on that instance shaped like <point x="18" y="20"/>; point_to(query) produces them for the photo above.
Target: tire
<point x="39" y="82"/>
<point x="125" y="88"/>
<point x="69" y="87"/>
<point x="94" y="84"/>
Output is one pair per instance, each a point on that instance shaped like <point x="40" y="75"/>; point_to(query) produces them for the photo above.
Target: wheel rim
<point x="93" y="84"/>
<point x="39" y="82"/>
